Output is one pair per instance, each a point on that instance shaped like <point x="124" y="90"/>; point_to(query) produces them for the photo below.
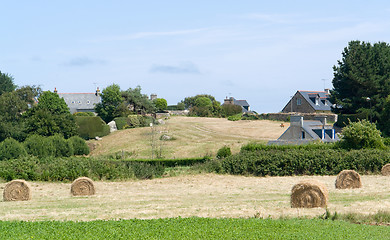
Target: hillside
<point x="191" y="137"/>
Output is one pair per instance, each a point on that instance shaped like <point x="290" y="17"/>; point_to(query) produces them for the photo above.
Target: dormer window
<point x="299" y="101"/>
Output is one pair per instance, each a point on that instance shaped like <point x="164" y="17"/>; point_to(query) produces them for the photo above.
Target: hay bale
<point x="82" y="186"/>
<point x="17" y="190"/>
<point x="386" y="170"/>
<point x="348" y="179"/>
<point x="309" y="194"/>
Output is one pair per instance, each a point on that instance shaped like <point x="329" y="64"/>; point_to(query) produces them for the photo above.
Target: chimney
<point x="55" y="90"/>
<point x="327" y="90"/>
<point x="97" y="91"/>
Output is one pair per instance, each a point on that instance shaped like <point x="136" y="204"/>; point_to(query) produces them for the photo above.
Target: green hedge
<point x="301" y="161"/>
<point x="91" y="127"/>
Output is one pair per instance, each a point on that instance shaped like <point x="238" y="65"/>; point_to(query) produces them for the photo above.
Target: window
<point x="88" y="102"/>
<point x="299" y="101"/>
<point x="303" y="135"/>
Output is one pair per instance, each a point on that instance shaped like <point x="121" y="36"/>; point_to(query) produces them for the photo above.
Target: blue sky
<point x="261" y="51"/>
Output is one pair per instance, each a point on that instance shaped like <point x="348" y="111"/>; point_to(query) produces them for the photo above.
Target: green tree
<point x="138" y="102"/>
<point x="6" y="83"/>
<point x="161" y="104"/>
<point x="12" y="107"/>
<point x="51" y="116"/>
<point x="230" y="110"/>
<point x="200" y="106"/>
<point x="362" y="79"/>
<point x="111" y="105"/>
<point x="361" y="134"/>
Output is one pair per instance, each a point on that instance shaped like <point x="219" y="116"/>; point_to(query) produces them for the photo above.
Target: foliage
<point x="51" y="116"/>
<point x="181" y="106"/>
<point x="192" y="228"/>
<point x="161" y="104"/>
<point x="133" y="121"/>
<point x="39" y="146"/>
<point x="12" y="106"/>
<point x="80" y="147"/>
<point x="11" y="149"/>
<point x="344" y="119"/>
<point x="138" y="102"/>
<point x="230" y="110"/>
<point x="84" y="114"/>
<point x="224" y="152"/>
<point x="304" y="161"/>
<point x="91" y="127"/>
<point x="236" y="117"/>
<point x="361" y="134"/>
<point x="6" y="83"/>
<point x="109" y="107"/>
<point x="62" y="147"/>
<point x="199" y="105"/>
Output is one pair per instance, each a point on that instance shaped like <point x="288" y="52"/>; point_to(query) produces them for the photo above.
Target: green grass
<point x="193" y="228"/>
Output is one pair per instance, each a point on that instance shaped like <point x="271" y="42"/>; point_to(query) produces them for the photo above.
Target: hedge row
<point x="91" y="127"/>
<point x="68" y="169"/>
<point x="41" y="146"/>
<point x="301" y="161"/>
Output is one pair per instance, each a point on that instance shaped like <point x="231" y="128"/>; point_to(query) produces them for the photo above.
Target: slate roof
<point x="323" y="104"/>
<point x="81" y="102"/>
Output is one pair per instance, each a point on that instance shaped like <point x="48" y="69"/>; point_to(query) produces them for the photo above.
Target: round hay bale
<point x="82" y="186"/>
<point x="386" y="170"/>
<point x="309" y="194"/>
<point x="348" y="179"/>
<point x="17" y="190"/>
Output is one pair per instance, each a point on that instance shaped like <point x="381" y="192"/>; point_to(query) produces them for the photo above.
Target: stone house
<point x="81" y="102"/>
<point x="243" y="103"/>
<point x="305" y="131"/>
<point x="309" y="102"/>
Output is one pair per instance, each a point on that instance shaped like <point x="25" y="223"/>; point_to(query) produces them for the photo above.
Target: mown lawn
<point x="193" y="228"/>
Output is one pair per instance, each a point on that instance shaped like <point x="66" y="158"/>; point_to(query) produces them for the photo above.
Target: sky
<point x="260" y="51"/>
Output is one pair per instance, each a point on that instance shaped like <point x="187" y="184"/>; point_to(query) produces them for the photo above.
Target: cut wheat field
<point x="192" y="137"/>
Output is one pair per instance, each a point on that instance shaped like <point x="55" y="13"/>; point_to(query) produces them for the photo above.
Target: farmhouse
<point x="81" y="102"/>
<point x="305" y="131"/>
<point x="309" y="102"/>
<point x="243" y="103"/>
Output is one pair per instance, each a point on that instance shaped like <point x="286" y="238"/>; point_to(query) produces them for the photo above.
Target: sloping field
<point x="206" y="195"/>
<point x="192" y="137"/>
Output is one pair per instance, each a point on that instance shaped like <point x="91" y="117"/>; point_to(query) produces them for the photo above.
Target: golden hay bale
<point x="348" y="179"/>
<point x="386" y="170"/>
<point x="82" y="186"/>
<point x="309" y="194"/>
<point x="17" y="190"/>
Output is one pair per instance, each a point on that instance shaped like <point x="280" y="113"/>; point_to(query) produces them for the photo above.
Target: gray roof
<point x="81" y="102"/>
<point x="322" y="105"/>
<point x="242" y="103"/>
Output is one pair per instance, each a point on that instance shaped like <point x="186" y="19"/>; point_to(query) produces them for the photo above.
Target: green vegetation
<point x="193" y="228"/>
<point x="321" y="159"/>
<point x="6" y="83"/>
<point x="224" y="152"/>
<point x="91" y="127"/>
<point x="10" y="149"/>
<point x="161" y="104"/>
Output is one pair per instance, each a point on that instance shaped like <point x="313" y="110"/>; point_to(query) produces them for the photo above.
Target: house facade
<point x="309" y="102"/>
<point x="81" y="102"/>
<point x="305" y="131"/>
<point x="243" y="103"/>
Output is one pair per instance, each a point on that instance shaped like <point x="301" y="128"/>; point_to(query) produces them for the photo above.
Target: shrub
<point x="62" y="147"/>
<point x="11" y="149"/>
<point x="85" y="114"/>
<point x="361" y="134"/>
<point x="91" y="127"/>
<point x="39" y="146"/>
<point x="79" y="145"/>
<point x="224" y="152"/>
<point x="236" y="117"/>
<point x="120" y="122"/>
<point x="230" y="110"/>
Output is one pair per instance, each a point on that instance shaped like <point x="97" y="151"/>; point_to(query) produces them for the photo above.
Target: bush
<point x="236" y="117"/>
<point x="120" y="122"/>
<point x="39" y="146"/>
<point x="230" y="110"/>
<point x="224" y="152"/>
<point x="62" y="147"/>
<point x="79" y="145"/>
<point x="361" y="134"/>
<point x="11" y="149"/>
<point x="85" y="114"/>
<point x="91" y="127"/>
<point x="295" y="161"/>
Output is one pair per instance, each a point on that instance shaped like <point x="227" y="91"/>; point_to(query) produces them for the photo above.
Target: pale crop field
<point x="205" y="195"/>
<point x="192" y="137"/>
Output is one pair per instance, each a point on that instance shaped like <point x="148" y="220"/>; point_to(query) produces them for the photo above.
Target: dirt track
<point x="207" y="195"/>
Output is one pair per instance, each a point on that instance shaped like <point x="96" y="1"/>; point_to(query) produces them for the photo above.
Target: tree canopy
<point x="109" y="108"/>
<point x="6" y="83"/>
<point x="362" y="81"/>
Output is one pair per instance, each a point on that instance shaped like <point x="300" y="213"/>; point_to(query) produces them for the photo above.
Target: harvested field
<point x="193" y="137"/>
<point x="206" y="195"/>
